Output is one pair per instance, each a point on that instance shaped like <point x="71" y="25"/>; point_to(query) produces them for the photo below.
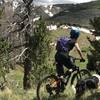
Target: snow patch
<point x="48" y="12"/>
<point x="52" y="27"/>
<point x="85" y="30"/>
<point x="35" y="19"/>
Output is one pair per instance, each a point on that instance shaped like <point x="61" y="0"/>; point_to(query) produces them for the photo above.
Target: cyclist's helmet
<point x="75" y="33"/>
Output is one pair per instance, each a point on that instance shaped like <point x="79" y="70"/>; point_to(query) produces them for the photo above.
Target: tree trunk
<point x="27" y="73"/>
<point x="27" y="61"/>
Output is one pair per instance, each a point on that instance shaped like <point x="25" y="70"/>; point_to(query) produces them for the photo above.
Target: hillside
<point x="80" y="13"/>
<point x="70" y="13"/>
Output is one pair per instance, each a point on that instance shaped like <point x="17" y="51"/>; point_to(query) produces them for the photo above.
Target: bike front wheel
<point x="80" y="75"/>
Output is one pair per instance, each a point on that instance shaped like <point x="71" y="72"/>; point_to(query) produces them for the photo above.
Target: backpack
<point x="62" y="44"/>
<point x="92" y="82"/>
<point x="80" y="86"/>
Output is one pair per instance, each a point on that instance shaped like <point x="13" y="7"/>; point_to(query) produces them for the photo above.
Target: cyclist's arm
<point x="79" y="50"/>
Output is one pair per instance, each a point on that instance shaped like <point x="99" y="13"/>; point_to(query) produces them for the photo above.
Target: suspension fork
<point x="78" y="71"/>
<point x="67" y="77"/>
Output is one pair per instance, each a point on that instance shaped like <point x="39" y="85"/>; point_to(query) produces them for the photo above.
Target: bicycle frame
<point x="68" y="76"/>
<point x="77" y="71"/>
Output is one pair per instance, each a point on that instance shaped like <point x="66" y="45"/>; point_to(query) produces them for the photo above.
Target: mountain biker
<point x="62" y="57"/>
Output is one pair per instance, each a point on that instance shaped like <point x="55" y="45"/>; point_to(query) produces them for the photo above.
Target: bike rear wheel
<point x="80" y="75"/>
<point x="44" y="88"/>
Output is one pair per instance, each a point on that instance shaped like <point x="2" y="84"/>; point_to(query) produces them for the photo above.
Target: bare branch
<point x="18" y="56"/>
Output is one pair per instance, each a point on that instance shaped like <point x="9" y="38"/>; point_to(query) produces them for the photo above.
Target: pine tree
<point x="37" y="55"/>
<point x="40" y="50"/>
<point x="94" y="56"/>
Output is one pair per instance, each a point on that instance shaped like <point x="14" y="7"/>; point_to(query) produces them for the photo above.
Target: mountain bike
<point x="53" y="85"/>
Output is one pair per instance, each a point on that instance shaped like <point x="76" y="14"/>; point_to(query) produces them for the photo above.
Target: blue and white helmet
<point x="74" y="33"/>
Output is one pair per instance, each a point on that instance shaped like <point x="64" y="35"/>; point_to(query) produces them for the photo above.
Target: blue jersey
<point x="64" y="44"/>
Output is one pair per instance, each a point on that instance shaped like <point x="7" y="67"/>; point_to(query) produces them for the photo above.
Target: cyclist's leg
<point x="59" y="69"/>
<point x="64" y="59"/>
<point x="68" y="63"/>
<point x="59" y="65"/>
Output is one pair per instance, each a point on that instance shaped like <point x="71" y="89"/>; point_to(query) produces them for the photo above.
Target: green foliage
<point x="1" y="12"/>
<point x="40" y="50"/>
<point x="4" y="56"/>
<point x="96" y="24"/>
<point x="94" y="56"/>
